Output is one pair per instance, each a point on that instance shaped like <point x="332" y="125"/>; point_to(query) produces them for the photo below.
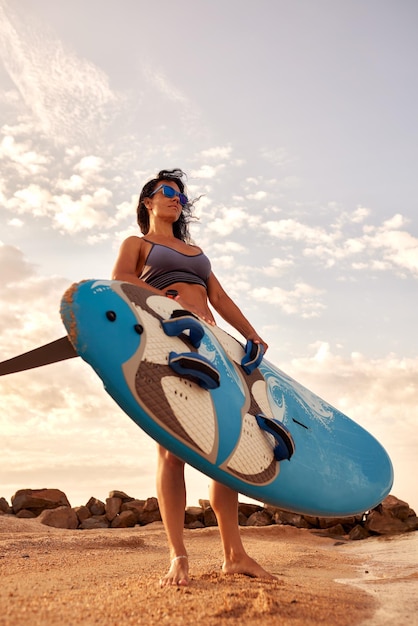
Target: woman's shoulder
<point x="133" y="241"/>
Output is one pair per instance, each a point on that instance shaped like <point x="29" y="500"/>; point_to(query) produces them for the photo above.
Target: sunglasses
<point x="169" y="192"/>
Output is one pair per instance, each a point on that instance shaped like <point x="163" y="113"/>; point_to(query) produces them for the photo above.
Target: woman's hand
<point x="255" y="338"/>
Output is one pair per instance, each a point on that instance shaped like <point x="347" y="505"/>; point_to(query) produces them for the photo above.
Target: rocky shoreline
<point x="52" y="508"/>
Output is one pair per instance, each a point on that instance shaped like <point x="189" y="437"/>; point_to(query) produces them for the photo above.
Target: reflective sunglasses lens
<point x="183" y="199"/>
<point x="169" y="192"/>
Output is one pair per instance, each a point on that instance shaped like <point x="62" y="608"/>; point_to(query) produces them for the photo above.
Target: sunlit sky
<point x="295" y="121"/>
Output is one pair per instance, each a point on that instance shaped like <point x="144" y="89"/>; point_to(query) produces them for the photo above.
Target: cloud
<point x="303" y="300"/>
<point x="216" y="153"/>
<point x="377" y="248"/>
<point x="229" y="220"/>
<point x="69" y="97"/>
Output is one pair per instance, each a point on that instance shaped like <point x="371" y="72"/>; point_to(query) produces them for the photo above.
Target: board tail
<point x="58" y="350"/>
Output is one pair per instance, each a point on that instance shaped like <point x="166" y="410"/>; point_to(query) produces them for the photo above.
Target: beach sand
<point x="52" y="576"/>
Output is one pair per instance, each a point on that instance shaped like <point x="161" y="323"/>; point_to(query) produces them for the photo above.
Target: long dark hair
<point x="181" y="227"/>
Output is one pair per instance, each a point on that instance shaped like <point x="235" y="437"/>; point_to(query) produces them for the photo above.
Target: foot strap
<point x="285" y="446"/>
<point x="253" y="356"/>
<point x="180" y="321"/>
<point x="196" y="366"/>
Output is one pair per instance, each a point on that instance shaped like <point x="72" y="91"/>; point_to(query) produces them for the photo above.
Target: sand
<point x="52" y="576"/>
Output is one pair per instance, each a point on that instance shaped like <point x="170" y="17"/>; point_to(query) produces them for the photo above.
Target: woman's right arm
<point x="130" y="262"/>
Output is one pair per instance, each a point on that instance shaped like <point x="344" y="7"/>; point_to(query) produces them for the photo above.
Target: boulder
<point x="358" y="532"/>
<point x="394" y="507"/>
<point x="82" y="513"/>
<point x="61" y="517"/>
<point x="95" y="522"/>
<point x="291" y="519"/>
<point x="120" y="494"/>
<point x="136" y="506"/>
<point x="381" y="524"/>
<point x="96" y="507"/>
<point x="112" y="507"/>
<point x="248" y="509"/>
<point x="25" y="514"/>
<point x="5" y="507"/>
<point x="126" y="519"/>
<point x="259" y="518"/>
<point x="209" y="517"/>
<point x="37" y="500"/>
<point x="193" y="514"/>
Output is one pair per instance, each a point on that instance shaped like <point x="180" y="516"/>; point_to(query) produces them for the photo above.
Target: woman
<point x="164" y="261"/>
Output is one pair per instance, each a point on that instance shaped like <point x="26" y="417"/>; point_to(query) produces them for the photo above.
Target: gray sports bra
<point x="165" y="266"/>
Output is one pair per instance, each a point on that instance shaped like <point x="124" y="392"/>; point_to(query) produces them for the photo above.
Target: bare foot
<point x="247" y="566"/>
<point x="178" y="574"/>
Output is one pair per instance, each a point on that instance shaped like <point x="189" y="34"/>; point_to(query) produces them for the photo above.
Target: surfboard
<point x="221" y="406"/>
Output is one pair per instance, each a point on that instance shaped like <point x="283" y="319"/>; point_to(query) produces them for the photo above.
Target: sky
<point x="296" y="123"/>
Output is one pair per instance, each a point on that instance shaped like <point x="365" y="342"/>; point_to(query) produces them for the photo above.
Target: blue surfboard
<point x="220" y="406"/>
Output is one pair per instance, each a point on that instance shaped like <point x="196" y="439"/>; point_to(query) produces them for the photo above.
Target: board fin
<point x="58" y="350"/>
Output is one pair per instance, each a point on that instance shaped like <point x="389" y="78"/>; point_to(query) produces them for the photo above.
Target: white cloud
<point x="206" y="171"/>
<point x="217" y="152"/>
<point x="230" y="220"/>
<point x="378" y="248"/>
<point x="303" y="300"/>
<point x="86" y="213"/>
<point x="68" y="96"/>
<point x="21" y="154"/>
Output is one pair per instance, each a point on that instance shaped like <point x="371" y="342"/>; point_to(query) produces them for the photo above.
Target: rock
<point x="120" y="494"/>
<point x="151" y="504"/>
<point x="242" y="519"/>
<point x="412" y="523"/>
<point x="209" y="517"/>
<point x="82" y="513"/>
<point x="147" y="517"/>
<point x="329" y="522"/>
<point x="312" y="521"/>
<point x="95" y="522"/>
<point x="126" y="519"/>
<point x="334" y="531"/>
<point x="358" y="532"/>
<point x="25" y="514"/>
<point x="195" y="525"/>
<point x="291" y="519"/>
<point x="137" y="506"/>
<point x="396" y="508"/>
<point x="193" y="514"/>
<point x="205" y="504"/>
<point x="248" y="509"/>
<point x="5" y="507"/>
<point x="259" y="518"/>
<point x="384" y="524"/>
<point x="112" y="508"/>
<point x="96" y="507"/>
<point x="37" y="500"/>
<point x="61" y="517"/>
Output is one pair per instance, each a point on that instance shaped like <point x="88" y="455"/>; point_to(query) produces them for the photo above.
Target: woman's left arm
<point x="230" y="312"/>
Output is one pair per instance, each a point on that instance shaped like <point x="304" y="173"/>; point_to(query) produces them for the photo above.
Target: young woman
<point x="165" y="261"/>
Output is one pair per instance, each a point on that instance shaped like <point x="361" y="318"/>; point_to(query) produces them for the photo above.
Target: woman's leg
<point x="171" y="491"/>
<point x="224" y="502"/>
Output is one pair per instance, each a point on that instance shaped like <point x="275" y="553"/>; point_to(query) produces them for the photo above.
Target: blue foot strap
<point x="180" y="321"/>
<point x="197" y="366"/>
<point x="285" y="446"/>
<point x="253" y="356"/>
